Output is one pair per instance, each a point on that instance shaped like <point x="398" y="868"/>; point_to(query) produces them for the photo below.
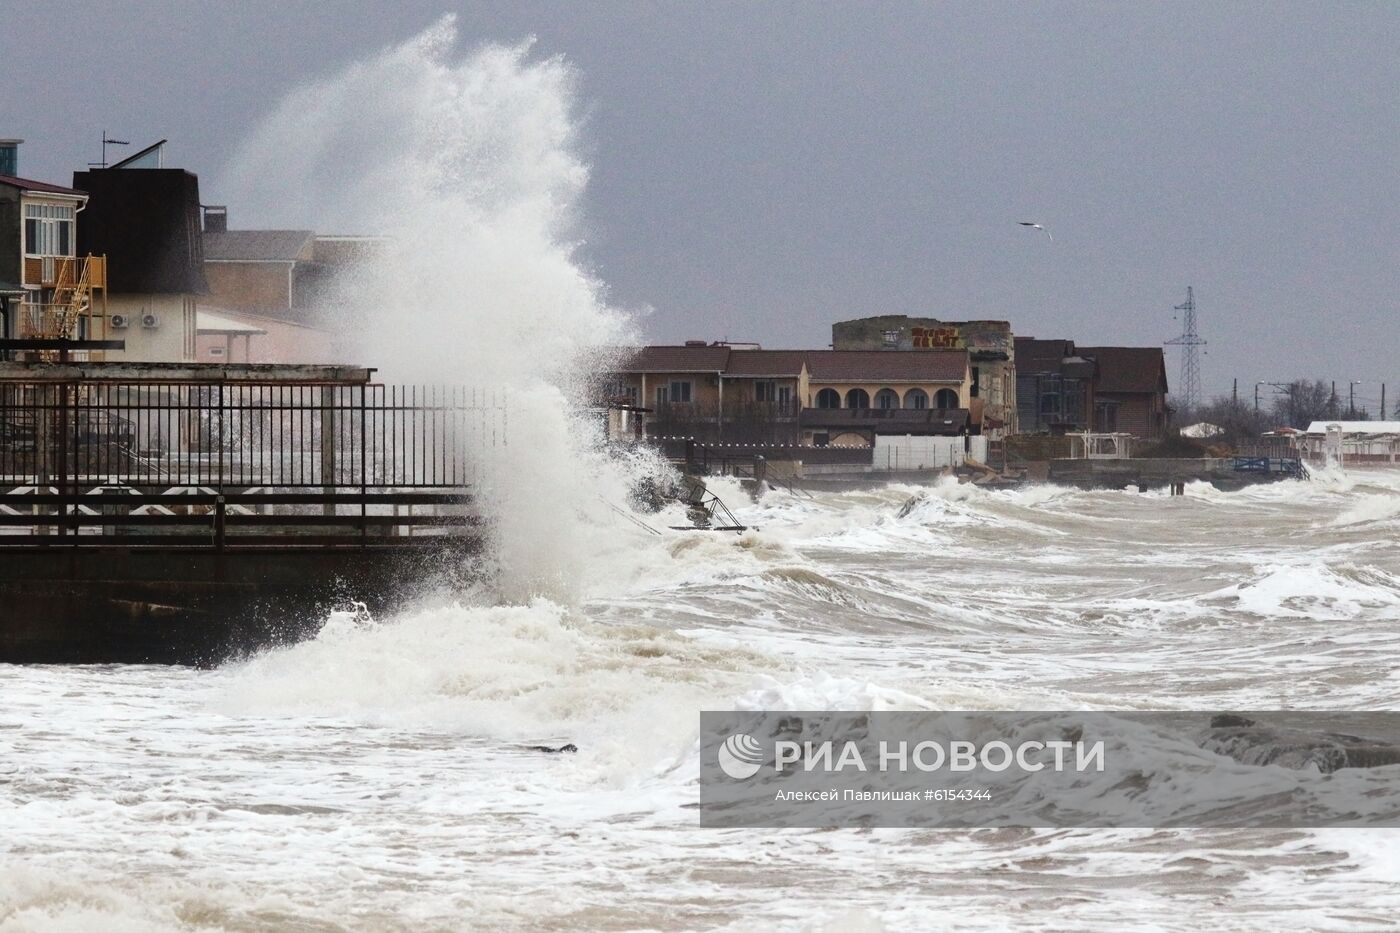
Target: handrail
<point x="72" y="288"/>
<point x="205" y="520"/>
<point x="248" y="498"/>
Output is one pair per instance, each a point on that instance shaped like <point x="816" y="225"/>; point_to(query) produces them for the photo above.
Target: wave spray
<point x="468" y="164"/>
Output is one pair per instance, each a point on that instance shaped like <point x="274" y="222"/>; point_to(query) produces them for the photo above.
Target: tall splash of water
<point x="468" y="164"/>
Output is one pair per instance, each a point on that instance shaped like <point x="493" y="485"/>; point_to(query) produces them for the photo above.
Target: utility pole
<point x="1190" y="343"/>
<point x="1235" y="393"/>
<point x="1382" y="401"/>
<point x="1332" y="402"/>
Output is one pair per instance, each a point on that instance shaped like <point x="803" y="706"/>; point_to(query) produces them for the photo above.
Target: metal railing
<point x="233" y="435"/>
<point x="1288" y="466"/>
<point x="225" y="465"/>
<point x="105" y="517"/>
<point x="48" y="271"/>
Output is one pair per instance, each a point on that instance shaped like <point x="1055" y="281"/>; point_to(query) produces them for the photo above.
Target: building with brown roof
<point x="254" y="270"/>
<point x="1062" y="387"/>
<point x="877" y="379"/>
<point x="277" y="273"/>
<point x="278" y="282"/>
<point x="714" y="391"/>
<point x="855" y="394"/>
<point x="1131" y="393"/>
<point x="48" y="287"/>
<point x="655" y="376"/>
<point x="719" y="393"/>
<point x="1054" y="387"/>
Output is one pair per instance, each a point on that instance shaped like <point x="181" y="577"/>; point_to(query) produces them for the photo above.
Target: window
<point x="976" y="379"/>
<point x="764" y="391"/>
<point x="680" y="391"/>
<point x="619" y="391"/>
<point x="857" y="398"/>
<point x="890" y="338"/>
<point x="48" y="230"/>
<point x="1106" y="416"/>
<point x="946" y="398"/>
<point x="886" y="399"/>
<point x="660" y="396"/>
<point x="785" y="396"/>
<point x="916" y="398"/>
<point x="828" y="398"/>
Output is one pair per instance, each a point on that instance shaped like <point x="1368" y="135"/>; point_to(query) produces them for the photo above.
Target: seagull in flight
<point x="1033" y="226"/>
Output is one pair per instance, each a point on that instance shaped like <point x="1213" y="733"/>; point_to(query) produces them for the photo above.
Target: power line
<point x="1190" y="343"/>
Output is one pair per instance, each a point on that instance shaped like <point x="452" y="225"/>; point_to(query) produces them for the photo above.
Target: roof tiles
<point x="887" y="365"/>
<point x="257" y="245"/>
<point x="29" y="184"/>
<point x="1129" y="369"/>
<point x="676" y="360"/>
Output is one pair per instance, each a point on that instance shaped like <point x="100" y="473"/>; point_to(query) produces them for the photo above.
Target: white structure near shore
<point x="1357" y="442"/>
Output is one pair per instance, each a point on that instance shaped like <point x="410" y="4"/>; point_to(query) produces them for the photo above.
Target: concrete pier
<point x="181" y="606"/>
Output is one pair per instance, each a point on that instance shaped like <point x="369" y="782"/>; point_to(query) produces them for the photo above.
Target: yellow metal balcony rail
<point x="38" y="321"/>
<point x="51" y="271"/>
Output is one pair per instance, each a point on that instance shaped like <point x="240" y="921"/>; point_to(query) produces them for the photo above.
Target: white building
<point x="1356" y="442"/>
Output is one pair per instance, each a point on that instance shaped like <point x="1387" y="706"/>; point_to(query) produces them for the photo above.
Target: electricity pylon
<point x="1190" y="388"/>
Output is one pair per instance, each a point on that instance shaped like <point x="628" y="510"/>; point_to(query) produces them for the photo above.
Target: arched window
<point x="828" y="398"/>
<point x="886" y="398"/>
<point x="857" y="398"/>
<point x="916" y="398"/>
<point x="946" y="398"/>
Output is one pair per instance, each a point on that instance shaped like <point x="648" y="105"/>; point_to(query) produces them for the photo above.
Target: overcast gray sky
<point x="763" y="169"/>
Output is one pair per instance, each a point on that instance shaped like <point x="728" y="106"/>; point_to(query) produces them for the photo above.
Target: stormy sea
<point x="381" y="775"/>
<point x="388" y="773"/>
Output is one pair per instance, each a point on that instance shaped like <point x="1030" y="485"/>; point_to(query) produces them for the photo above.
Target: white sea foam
<point x="381" y="775"/>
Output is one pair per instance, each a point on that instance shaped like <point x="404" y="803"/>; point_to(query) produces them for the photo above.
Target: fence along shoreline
<point x="183" y="520"/>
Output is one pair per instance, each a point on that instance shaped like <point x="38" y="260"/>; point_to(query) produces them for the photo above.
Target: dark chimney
<point x="215" y="218"/>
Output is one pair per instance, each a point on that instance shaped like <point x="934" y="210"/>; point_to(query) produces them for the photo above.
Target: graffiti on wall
<point x="935" y="338"/>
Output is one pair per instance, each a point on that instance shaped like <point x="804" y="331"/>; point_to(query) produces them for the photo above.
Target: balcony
<point x="51" y="271"/>
<point x="757" y="422"/>
<point x="50" y="321"/>
<point x="38" y="321"/>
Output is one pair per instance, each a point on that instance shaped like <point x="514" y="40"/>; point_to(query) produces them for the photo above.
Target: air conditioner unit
<point x="150" y="320"/>
<point x="120" y="320"/>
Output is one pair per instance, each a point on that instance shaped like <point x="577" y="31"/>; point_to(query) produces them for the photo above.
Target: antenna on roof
<point x="106" y="141"/>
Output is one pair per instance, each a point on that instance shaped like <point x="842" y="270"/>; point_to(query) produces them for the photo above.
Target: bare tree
<point x="1237" y="420"/>
<point x="1302" y="402"/>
